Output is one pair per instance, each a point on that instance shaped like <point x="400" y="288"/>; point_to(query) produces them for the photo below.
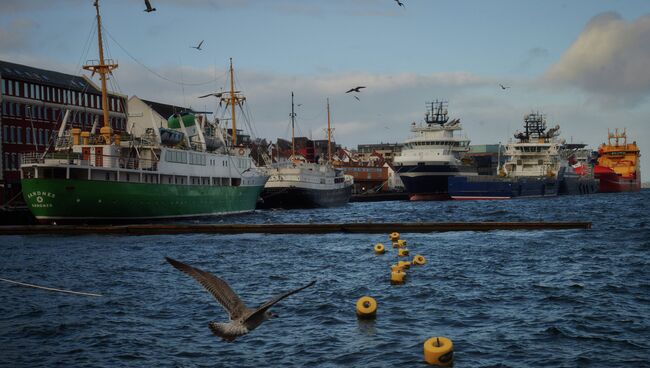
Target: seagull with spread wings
<point x="242" y="319"/>
<point x="199" y="46"/>
<point x="355" y="89"/>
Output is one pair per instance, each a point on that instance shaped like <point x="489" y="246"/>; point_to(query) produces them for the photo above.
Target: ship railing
<point x="94" y="161"/>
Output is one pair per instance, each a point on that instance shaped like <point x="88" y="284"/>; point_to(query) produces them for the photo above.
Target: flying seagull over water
<point x="399" y="3"/>
<point x="242" y="319"/>
<point x="149" y="9"/>
<point x="355" y="89"/>
<point x="503" y="87"/>
<point x="199" y="46"/>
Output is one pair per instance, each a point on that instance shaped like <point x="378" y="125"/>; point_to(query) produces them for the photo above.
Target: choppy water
<point x="565" y="298"/>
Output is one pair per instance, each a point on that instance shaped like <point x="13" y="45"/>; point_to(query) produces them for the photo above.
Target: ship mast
<point x="329" y="134"/>
<point x="233" y="99"/>
<point x="103" y="69"/>
<point x="293" y="117"/>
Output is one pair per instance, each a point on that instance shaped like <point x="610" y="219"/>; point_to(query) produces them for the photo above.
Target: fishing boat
<point x="297" y="183"/>
<point x="433" y="154"/>
<point x="531" y="169"/>
<point x="618" y="167"/>
<point x="186" y="169"/>
<point x="576" y="174"/>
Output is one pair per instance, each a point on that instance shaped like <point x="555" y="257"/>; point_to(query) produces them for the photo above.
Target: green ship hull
<point x="84" y="200"/>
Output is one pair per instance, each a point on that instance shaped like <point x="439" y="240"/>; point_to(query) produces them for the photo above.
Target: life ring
<point x="241" y="151"/>
<point x="439" y="351"/>
<point x="366" y="307"/>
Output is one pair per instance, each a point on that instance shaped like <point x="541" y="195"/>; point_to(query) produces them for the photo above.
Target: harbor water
<point x="567" y="298"/>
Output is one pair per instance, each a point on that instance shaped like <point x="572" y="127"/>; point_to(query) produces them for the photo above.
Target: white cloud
<point x="610" y="59"/>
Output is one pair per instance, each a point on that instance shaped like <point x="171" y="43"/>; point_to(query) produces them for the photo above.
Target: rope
<point x="49" y="289"/>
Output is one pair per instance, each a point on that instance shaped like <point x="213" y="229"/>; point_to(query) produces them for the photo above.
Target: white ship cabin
<point x="434" y="142"/>
<point x="142" y="158"/>
<point x="538" y="151"/>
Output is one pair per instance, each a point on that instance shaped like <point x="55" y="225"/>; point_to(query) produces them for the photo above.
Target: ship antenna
<point x="329" y="134"/>
<point x="103" y="69"/>
<point x="233" y="100"/>
<point x="293" y="117"/>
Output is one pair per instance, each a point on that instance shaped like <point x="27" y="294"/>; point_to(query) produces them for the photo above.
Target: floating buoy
<point x="395" y="245"/>
<point x="397" y="277"/>
<point x="379" y="248"/>
<point x="419" y="260"/>
<point x="404" y="264"/>
<point x="394" y="236"/>
<point x="401" y="243"/>
<point x="402" y="252"/>
<point x="396" y="267"/>
<point x="366" y="307"/>
<point x="439" y="351"/>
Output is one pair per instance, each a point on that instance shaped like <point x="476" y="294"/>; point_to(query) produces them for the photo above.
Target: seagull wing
<point x="216" y="286"/>
<point x="359" y="88"/>
<point x="200" y="43"/>
<point x="212" y="94"/>
<point x="147" y="4"/>
<point x="350" y="90"/>
<point x="262" y="308"/>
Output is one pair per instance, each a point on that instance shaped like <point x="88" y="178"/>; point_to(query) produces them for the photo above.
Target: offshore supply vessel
<point x="531" y="169"/>
<point x="186" y="169"/>
<point x="433" y="154"/>
<point x="618" y="166"/>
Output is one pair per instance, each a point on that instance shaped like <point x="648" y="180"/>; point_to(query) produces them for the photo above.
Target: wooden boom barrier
<point x="296" y="228"/>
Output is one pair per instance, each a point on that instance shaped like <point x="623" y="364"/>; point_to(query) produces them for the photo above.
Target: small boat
<point x="297" y="183"/>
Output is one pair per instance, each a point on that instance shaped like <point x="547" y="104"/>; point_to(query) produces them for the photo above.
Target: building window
<point x="32" y="94"/>
<point x="28" y="136"/>
<point x="16" y="88"/>
<point x="6" y="161"/>
<point x="19" y="135"/>
<point x="12" y="137"/>
<point x="5" y="134"/>
<point x="4" y="87"/>
<point x="14" y="162"/>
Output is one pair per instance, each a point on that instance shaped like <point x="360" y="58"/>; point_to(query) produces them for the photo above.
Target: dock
<point x="293" y="228"/>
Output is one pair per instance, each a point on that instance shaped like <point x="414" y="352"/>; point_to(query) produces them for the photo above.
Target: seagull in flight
<point x="149" y="9"/>
<point x="215" y="94"/>
<point x="355" y="89"/>
<point x="503" y="87"/>
<point x="199" y="46"/>
<point x="242" y="319"/>
<point x="399" y="3"/>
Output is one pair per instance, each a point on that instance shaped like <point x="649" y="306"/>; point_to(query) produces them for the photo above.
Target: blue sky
<point x="586" y="64"/>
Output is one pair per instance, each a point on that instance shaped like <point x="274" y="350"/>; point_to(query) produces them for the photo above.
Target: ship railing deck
<point x="76" y="159"/>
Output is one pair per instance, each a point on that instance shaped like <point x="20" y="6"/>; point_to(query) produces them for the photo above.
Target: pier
<point x="295" y="228"/>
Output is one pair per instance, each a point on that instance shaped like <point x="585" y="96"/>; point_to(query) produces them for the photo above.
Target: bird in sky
<point x="215" y="94"/>
<point x="503" y="87"/>
<point x="149" y="9"/>
<point x="355" y="89"/>
<point x="399" y="3"/>
<point x="242" y="319"/>
<point x="198" y="47"/>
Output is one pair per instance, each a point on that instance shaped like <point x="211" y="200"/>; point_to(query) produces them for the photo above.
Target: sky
<point x="583" y="63"/>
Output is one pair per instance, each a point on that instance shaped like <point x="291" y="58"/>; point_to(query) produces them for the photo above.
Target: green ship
<point x="186" y="169"/>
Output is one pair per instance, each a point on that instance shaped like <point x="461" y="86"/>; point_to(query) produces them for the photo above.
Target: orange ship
<point x="618" y="165"/>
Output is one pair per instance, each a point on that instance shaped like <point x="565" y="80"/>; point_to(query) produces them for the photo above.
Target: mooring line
<point x="49" y="289"/>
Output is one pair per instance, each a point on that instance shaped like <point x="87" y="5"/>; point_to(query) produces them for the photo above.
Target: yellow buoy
<point x="419" y="260"/>
<point x="366" y="307"/>
<point x="401" y="243"/>
<point x="379" y="248"/>
<point x="402" y="252"/>
<point x="397" y="277"/>
<point x="404" y="264"/>
<point x="396" y="267"/>
<point x="439" y="351"/>
<point x="394" y="236"/>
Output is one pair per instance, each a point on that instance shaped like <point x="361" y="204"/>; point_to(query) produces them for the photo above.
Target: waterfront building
<point x="33" y="104"/>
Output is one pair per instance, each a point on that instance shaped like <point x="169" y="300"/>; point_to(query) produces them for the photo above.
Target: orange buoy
<point x="419" y="260"/>
<point x="402" y="252"/>
<point x="366" y="307"/>
<point x="379" y="248"/>
<point x="404" y="264"/>
<point x="397" y="277"/>
<point x="439" y="351"/>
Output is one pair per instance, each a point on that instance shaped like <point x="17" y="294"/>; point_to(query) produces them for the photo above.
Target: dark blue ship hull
<point x="429" y="182"/>
<point x="293" y="198"/>
<point x="495" y="187"/>
<point x="576" y="184"/>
